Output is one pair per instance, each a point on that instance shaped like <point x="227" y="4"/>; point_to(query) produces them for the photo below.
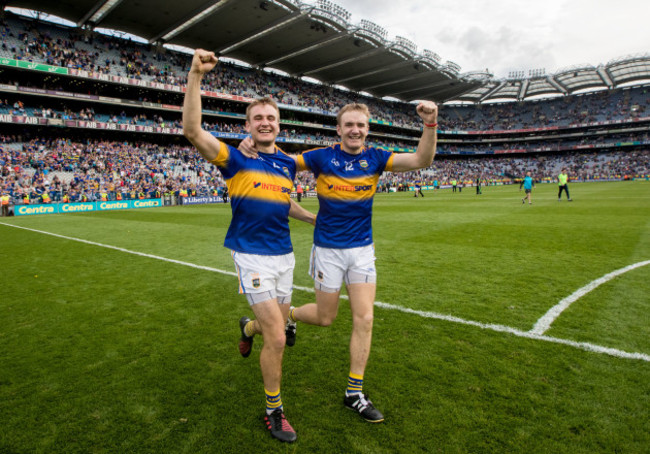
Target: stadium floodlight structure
<point x="430" y="58"/>
<point x="404" y="46"/>
<point x="539" y="72"/>
<point x="452" y="68"/>
<point x="371" y="30"/>
<point x="324" y="16"/>
<point x="516" y="75"/>
<point x="333" y="12"/>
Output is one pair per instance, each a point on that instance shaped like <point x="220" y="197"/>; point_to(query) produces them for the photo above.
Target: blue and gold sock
<point x="273" y="401"/>
<point x="355" y="384"/>
<point x="291" y="317"/>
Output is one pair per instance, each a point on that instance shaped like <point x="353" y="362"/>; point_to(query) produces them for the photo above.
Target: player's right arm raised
<point x="208" y="145"/>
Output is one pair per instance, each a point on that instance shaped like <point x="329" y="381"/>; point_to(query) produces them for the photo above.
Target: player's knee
<point x="326" y="319"/>
<point x="363" y="321"/>
<point x="276" y="341"/>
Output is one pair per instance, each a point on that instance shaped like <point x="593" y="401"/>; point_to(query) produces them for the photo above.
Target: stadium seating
<point x="602" y="135"/>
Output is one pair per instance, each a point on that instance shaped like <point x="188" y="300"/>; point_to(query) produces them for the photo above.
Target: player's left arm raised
<point x="423" y="156"/>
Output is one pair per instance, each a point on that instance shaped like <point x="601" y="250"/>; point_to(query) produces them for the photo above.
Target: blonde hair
<point x="261" y="102"/>
<point x="352" y="106"/>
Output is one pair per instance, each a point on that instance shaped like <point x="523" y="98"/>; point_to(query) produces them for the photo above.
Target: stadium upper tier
<point x="235" y="131"/>
<point x="89" y="83"/>
<point x="81" y="49"/>
<point x="131" y="118"/>
<point x="86" y="53"/>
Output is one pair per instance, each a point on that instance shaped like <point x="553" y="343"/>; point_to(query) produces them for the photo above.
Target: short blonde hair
<point x="353" y="106"/>
<point x="261" y="102"/>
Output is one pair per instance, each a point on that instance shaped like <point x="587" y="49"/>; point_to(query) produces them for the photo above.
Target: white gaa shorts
<point x="270" y="274"/>
<point x="330" y="267"/>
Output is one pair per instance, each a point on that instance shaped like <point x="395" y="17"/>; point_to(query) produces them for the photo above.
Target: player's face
<point x="264" y="124"/>
<point x="353" y="130"/>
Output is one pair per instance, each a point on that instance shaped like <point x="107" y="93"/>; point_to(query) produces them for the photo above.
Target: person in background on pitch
<point x="258" y="235"/>
<point x="343" y="251"/>
<point x="563" y="183"/>
<point x="5" y="200"/>
<point x="528" y="185"/>
<point x="418" y="188"/>
<point x="299" y="191"/>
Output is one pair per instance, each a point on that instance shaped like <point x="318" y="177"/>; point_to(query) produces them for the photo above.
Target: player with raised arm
<point x="343" y="251"/>
<point x="258" y="236"/>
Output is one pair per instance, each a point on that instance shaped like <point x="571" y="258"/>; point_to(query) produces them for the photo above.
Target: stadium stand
<point x="84" y="114"/>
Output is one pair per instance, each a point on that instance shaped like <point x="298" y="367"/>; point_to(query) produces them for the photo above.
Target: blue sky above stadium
<point x="513" y="35"/>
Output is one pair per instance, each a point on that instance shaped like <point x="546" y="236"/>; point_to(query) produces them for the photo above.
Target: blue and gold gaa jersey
<point x="260" y="191"/>
<point x="346" y="185"/>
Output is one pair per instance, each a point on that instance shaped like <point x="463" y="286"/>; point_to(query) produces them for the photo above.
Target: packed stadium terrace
<point x="69" y="128"/>
<point x="85" y="171"/>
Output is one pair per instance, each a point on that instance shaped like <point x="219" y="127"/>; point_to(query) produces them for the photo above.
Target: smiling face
<point x="263" y="124"/>
<point x="353" y="129"/>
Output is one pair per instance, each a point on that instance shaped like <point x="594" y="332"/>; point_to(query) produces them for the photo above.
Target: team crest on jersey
<point x="286" y="172"/>
<point x="256" y="281"/>
<point x="320" y="275"/>
<point x="363" y="163"/>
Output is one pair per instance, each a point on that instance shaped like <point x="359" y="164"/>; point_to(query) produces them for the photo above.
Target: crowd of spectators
<point x="82" y="49"/>
<point x="328" y="136"/>
<point x="83" y="171"/>
<point x="86" y="170"/>
<point x="64" y="169"/>
<point x="544" y="168"/>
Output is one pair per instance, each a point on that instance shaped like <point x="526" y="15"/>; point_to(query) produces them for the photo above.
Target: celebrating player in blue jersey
<point x="258" y="235"/>
<point x="343" y="251"/>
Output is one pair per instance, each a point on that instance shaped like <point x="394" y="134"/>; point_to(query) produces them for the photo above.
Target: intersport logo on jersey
<point x="271" y="187"/>
<point x="338" y="187"/>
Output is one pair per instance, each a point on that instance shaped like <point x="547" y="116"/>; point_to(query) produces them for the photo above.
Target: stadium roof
<point x="580" y="78"/>
<point x="316" y="40"/>
<point x="301" y="39"/>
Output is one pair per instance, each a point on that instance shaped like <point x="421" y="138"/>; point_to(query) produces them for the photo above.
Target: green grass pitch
<point x="106" y="351"/>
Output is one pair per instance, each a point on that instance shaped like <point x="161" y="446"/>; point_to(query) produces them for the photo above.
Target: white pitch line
<point x="544" y="323"/>
<point x="499" y="328"/>
<point x="527" y="334"/>
<point x="141" y="254"/>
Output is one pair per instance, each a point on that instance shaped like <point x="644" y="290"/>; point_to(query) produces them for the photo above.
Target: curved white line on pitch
<point x="449" y="318"/>
<point x="544" y="323"/>
<point x="527" y="334"/>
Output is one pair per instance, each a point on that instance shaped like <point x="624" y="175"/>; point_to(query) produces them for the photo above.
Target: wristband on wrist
<point x="430" y="125"/>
